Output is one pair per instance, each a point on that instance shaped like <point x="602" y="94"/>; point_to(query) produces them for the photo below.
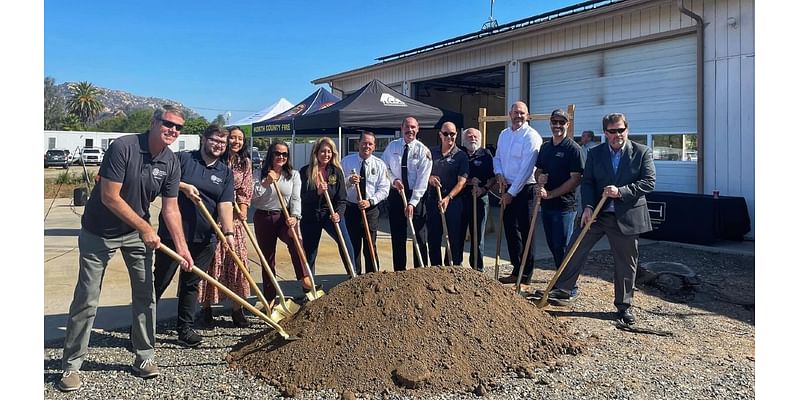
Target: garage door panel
<point x="653" y="83"/>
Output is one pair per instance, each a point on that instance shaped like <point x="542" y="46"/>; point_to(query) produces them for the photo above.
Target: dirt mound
<point x="432" y="329"/>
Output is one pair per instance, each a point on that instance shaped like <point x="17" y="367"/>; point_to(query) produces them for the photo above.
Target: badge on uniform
<point x="477" y="162"/>
<point x="217" y="180"/>
<point x="560" y="154"/>
<point x="331" y="179"/>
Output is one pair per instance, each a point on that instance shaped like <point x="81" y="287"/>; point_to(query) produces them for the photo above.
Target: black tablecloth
<point x="697" y="218"/>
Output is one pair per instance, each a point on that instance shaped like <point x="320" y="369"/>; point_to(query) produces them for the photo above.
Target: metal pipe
<point x="699" y="26"/>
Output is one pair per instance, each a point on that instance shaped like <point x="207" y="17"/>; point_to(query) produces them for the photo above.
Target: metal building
<point x="639" y="57"/>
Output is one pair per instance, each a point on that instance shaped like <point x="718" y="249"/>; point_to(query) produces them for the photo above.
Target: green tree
<point x="194" y="126"/>
<point x="53" y="105"/>
<point x="71" y="122"/>
<point x="84" y="102"/>
<point x="112" y="124"/>
<point x="138" y="121"/>
<point x="220" y="120"/>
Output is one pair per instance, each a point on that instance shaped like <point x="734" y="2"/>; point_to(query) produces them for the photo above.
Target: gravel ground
<point x="709" y="355"/>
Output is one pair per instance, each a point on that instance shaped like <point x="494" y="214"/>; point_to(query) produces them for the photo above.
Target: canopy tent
<point x="283" y="124"/>
<point x="273" y="109"/>
<point x="376" y="106"/>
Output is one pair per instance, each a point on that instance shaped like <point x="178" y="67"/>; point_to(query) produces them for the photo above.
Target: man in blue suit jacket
<point x="624" y="172"/>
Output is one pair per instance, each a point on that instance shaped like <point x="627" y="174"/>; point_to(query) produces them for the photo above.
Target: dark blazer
<point x="636" y="176"/>
<point x="314" y="205"/>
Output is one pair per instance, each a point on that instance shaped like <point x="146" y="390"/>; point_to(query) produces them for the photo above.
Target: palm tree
<point x="84" y="102"/>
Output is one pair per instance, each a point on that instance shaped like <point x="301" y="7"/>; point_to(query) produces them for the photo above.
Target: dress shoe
<point x="239" y="319"/>
<point x="508" y="279"/>
<point x="626" y="316"/>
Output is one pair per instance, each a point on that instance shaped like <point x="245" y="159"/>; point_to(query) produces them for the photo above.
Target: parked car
<point x="257" y="159"/>
<point x="57" y="158"/>
<point x="91" y="155"/>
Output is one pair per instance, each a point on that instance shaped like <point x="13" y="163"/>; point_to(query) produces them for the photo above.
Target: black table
<point x="697" y="218"/>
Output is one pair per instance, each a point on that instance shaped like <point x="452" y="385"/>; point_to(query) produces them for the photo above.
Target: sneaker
<point x="70" y="382"/>
<point x="561" y="297"/>
<point x="189" y="338"/>
<point x="146" y="369"/>
<point x="239" y="320"/>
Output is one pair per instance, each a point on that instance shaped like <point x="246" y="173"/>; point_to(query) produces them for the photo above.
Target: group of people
<point x="438" y="192"/>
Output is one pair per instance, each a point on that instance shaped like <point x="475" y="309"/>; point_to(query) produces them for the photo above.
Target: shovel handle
<point x="348" y="263"/>
<point x="263" y="261"/>
<point x="413" y="231"/>
<point x="531" y="232"/>
<point x="231" y="252"/>
<point x="295" y="238"/>
<point x="543" y="301"/>
<point x="233" y="296"/>
<point x="499" y="237"/>
<point x="367" y="232"/>
<point x="444" y="226"/>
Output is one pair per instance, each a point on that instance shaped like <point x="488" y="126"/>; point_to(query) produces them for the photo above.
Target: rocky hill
<point x="115" y="101"/>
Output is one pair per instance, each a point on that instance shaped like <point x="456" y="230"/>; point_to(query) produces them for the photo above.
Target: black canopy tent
<point x="376" y="107"/>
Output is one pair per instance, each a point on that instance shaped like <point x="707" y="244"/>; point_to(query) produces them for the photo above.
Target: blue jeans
<point x="557" y="229"/>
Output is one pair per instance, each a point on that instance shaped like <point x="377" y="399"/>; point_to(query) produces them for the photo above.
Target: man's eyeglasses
<point x="284" y="154"/>
<point x="170" y="125"/>
<point x="558" y="122"/>
<point x="616" y="131"/>
<point x="449" y="134"/>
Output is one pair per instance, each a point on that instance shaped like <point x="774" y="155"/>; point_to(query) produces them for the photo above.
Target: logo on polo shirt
<point x="157" y="173"/>
<point x="217" y="180"/>
<point x="391" y="101"/>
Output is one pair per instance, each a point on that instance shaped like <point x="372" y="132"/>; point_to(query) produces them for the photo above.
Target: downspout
<point x="699" y="25"/>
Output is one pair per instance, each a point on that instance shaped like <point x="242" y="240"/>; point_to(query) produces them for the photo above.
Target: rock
<point x="348" y="395"/>
<point x="411" y="374"/>
<point x="290" y="390"/>
<point x="480" y="390"/>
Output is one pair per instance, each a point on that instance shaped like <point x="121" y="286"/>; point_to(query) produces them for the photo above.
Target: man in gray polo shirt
<point x="135" y="169"/>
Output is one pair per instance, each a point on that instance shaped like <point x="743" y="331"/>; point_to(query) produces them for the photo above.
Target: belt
<point x="269" y="212"/>
<point x="355" y="205"/>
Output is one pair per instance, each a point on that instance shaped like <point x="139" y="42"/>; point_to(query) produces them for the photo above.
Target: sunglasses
<point x="170" y="125"/>
<point x="558" y="122"/>
<point x="284" y="154"/>
<point x="616" y="131"/>
<point x="450" y="134"/>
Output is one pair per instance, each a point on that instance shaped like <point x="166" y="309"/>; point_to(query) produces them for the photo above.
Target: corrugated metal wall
<point x="729" y="72"/>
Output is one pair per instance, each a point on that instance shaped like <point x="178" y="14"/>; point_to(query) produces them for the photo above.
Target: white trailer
<point x="74" y="141"/>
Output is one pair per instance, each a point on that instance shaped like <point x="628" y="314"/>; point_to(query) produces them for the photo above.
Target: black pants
<point x="516" y="222"/>
<point x="466" y="215"/>
<point x="355" y="226"/>
<point x="436" y="232"/>
<point x="165" y="268"/>
<point x="398" y="227"/>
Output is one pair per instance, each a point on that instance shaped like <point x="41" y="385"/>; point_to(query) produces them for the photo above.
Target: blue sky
<point x="241" y="56"/>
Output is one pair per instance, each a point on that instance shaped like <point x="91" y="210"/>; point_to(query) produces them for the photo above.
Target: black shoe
<point x="626" y="316"/>
<point x="239" y="320"/>
<point x="189" y="338"/>
<point x="508" y="279"/>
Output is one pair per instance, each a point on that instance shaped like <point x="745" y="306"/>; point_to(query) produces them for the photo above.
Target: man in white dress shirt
<point x="517" y="150"/>
<point x="367" y="174"/>
<point x="409" y="162"/>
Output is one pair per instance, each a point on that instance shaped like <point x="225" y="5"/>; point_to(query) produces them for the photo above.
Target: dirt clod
<point x="422" y="329"/>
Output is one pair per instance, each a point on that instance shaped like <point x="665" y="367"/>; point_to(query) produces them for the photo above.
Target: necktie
<point x="404" y="167"/>
<point x="362" y="184"/>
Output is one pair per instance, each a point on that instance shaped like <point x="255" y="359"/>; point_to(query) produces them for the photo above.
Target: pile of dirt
<point x="429" y="329"/>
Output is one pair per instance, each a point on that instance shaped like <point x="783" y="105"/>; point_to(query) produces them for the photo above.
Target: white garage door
<point x="653" y="84"/>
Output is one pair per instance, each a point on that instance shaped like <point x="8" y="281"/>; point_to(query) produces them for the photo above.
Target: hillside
<point x="118" y="100"/>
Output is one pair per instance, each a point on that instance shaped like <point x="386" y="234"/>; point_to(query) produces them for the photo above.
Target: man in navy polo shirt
<point x="449" y="173"/>
<point x="203" y="177"/>
<point x="562" y="161"/>
<point x="480" y="179"/>
<point x="135" y="169"/>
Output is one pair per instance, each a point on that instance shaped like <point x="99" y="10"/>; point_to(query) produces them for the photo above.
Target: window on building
<point x="675" y="147"/>
<point x="51" y="143"/>
<point x="641" y="139"/>
<point x="104" y="144"/>
<point x="181" y="145"/>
